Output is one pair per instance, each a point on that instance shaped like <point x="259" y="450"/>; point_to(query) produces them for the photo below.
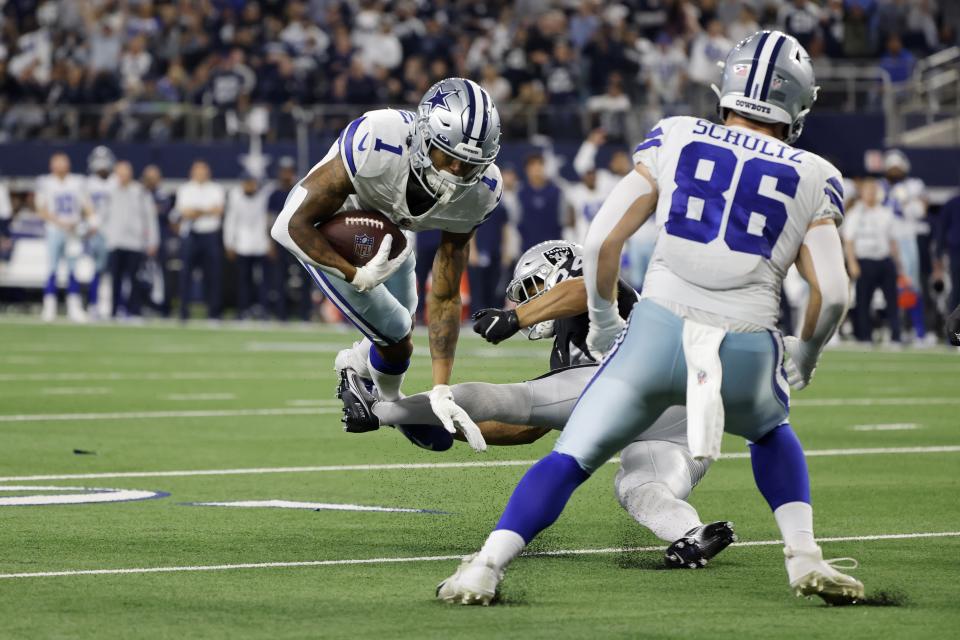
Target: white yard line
<point x="199" y="397"/>
<point x="814" y="453"/>
<point x="398" y="560"/>
<point x="896" y="426"/>
<point x="74" y="391"/>
<point x="85" y="376"/>
<point x="148" y="415"/>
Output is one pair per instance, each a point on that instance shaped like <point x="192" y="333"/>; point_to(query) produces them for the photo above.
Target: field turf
<point x="881" y="428"/>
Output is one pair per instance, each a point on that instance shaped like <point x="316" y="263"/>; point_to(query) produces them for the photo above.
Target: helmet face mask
<point x="768" y="77"/>
<point x="538" y="270"/>
<point x="458" y="118"/>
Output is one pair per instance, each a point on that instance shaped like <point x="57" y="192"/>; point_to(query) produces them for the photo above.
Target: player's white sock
<point x="502" y="546"/>
<point x="795" y="520"/>
<point x="387" y="376"/>
<point x="655" y="507"/>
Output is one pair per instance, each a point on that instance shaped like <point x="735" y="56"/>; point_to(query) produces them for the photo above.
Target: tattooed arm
<point x="443" y="303"/>
<point x="315" y="200"/>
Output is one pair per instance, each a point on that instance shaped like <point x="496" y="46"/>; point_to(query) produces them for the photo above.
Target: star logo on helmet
<point x="439" y="99"/>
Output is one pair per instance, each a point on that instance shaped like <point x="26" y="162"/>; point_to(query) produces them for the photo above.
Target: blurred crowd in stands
<point x="143" y="63"/>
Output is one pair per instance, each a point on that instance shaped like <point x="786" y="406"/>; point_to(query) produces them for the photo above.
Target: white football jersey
<point x="733" y="209"/>
<point x="98" y="193"/>
<point x="374" y="149"/>
<point x="63" y="197"/>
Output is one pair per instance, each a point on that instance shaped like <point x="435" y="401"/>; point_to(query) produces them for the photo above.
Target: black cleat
<point x="358" y="416"/>
<point x="699" y="545"/>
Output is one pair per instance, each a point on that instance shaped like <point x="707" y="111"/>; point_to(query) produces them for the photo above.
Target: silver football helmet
<point x="768" y="77"/>
<point x="100" y="159"/>
<point x="537" y="271"/>
<point x="457" y="116"/>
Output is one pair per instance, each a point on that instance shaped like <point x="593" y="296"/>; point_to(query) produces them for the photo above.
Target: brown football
<point x="356" y="235"/>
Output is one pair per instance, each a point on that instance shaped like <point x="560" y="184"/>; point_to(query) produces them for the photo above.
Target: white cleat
<point x="474" y="582"/>
<point x="811" y="575"/>
<point x="75" y="308"/>
<point x="353" y="358"/>
<point x="49" y="313"/>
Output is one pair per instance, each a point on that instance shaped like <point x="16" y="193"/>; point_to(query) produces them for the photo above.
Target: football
<point x="356" y="235"/>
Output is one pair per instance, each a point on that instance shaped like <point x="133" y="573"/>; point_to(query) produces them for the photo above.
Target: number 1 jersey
<point x="733" y="209"/>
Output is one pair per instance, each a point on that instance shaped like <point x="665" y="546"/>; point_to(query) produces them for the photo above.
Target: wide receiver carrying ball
<point x="356" y="235"/>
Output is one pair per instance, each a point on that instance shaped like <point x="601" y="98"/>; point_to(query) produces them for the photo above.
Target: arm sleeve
<point x="586" y="158"/>
<point x="826" y="255"/>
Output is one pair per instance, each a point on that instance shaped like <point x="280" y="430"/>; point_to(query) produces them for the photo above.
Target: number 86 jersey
<point x="733" y="209"/>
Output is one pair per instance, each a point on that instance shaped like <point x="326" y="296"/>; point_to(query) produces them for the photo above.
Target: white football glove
<point x="380" y="267"/>
<point x="603" y="333"/>
<point x="800" y="363"/>
<point x="454" y="418"/>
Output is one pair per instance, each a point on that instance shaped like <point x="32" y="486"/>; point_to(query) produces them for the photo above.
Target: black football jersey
<point x="570" y="334"/>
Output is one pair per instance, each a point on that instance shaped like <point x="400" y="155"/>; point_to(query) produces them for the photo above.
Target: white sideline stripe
<point x="75" y="391"/>
<point x="187" y="397"/>
<point x="329" y="563"/>
<point x="870" y="402"/>
<point x="433" y="465"/>
<point x="897" y="426"/>
<point x="146" y="415"/>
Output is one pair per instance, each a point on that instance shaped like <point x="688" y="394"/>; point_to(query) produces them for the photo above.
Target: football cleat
<point x="358" y="416"/>
<point x="354" y="358"/>
<point x="474" y="582"/>
<point x="699" y="545"/>
<point x="811" y="575"/>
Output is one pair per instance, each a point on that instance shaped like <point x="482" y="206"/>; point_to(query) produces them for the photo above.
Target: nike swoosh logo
<point x="360" y="146"/>
<point x="492" y="325"/>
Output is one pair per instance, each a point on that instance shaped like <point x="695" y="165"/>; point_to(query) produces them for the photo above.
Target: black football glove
<point x="496" y="325"/>
<point x="953" y="327"/>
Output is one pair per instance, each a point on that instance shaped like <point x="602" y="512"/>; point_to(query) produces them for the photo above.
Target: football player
<point x="433" y="169"/>
<point x="656" y="472"/>
<point x="735" y="206"/>
<point x="99" y="184"/>
<point x="63" y="204"/>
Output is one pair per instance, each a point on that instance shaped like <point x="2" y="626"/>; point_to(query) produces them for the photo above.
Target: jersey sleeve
<point x="490" y="190"/>
<point x="647" y="152"/>
<point x="830" y="196"/>
<point x="368" y="144"/>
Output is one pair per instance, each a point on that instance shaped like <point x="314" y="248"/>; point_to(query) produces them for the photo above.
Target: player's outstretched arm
<point x="623" y="212"/>
<point x="443" y="303"/>
<point x="566" y="299"/>
<point x="820" y="262"/>
<point x="315" y="200"/>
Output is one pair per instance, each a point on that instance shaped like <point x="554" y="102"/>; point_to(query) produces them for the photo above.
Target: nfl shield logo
<point x="701" y="377"/>
<point x="363" y="245"/>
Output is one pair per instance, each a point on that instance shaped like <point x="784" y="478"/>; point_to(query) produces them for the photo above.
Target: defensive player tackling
<point x="735" y="206"/>
<point x="657" y="472"/>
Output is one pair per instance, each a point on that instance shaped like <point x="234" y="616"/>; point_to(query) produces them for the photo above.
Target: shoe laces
<point x="842" y="564"/>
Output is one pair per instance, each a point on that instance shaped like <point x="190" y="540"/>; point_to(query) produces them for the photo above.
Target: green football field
<point x="230" y="415"/>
